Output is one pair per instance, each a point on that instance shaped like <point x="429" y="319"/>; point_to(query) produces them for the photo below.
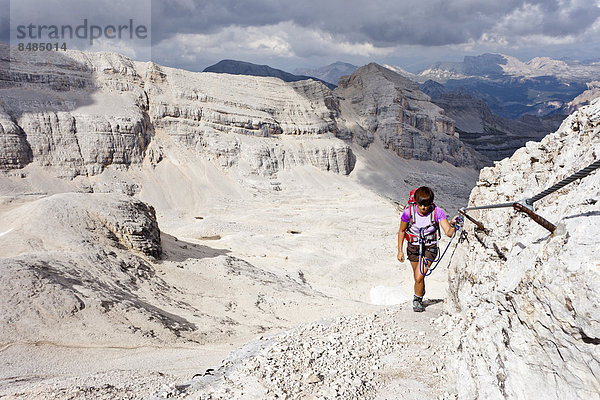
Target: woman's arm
<point x="401" y="232"/>
<point x="449" y="230"/>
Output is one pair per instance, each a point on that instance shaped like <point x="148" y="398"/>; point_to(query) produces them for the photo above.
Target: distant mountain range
<point x="245" y="68"/>
<point x="513" y="98"/>
<point x="500" y="66"/>
<point x="511" y="88"/>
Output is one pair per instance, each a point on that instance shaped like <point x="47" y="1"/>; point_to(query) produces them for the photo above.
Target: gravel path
<point x="392" y="353"/>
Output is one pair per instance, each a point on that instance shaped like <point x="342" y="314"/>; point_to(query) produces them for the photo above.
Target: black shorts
<point x="412" y="252"/>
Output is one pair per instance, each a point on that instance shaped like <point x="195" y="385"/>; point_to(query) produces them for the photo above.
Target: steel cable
<point x="580" y="174"/>
<point x="577" y="175"/>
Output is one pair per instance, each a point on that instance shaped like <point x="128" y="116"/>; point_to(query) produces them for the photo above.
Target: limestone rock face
<point x="523" y="306"/>
<point x="16" y="152"/>
<point x="77" y="113"/>
<point x="263" y="123"/>
<point x="378" y="104"/>
<point x="254" y="106"/>
<point x="271" y="156"/>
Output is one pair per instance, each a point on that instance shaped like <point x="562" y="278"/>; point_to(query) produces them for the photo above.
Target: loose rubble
<point x="352" y="357"/>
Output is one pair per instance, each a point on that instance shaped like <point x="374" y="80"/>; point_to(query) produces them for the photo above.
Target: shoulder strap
<point x="435" y="222"/>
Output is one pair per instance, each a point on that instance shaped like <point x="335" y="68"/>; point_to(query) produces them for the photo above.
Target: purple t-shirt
<point x="422" y="221"/>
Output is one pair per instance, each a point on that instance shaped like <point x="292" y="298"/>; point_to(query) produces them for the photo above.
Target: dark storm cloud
<point x="311" y="31"/>
<point x="556" y="20"/>
<point x="170" y="17"/>
<point x="435" y="23"/>
<point x="383" y="23"/>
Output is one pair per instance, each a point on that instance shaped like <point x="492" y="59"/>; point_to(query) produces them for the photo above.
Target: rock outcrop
<point x="524" y="304"/>
<point x="72" y="259"/>
<point x="110" y="220"/>
<point x="378" y="104"/>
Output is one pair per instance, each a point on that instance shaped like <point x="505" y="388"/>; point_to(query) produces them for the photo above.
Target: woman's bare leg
<point x="419" y="278"/>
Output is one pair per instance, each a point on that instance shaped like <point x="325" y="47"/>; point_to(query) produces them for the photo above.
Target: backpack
<point x="411" y="205"/>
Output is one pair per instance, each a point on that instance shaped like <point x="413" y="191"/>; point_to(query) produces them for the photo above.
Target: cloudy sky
<point x="194" y="34"/>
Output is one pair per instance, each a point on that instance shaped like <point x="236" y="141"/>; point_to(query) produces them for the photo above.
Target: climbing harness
<point x="411" y="205"/>
<point x="420" y="237"/>
<point x="424" y="260"/>
<point x="526" y="205"/>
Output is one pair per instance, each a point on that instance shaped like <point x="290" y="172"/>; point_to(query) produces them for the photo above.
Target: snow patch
<point x="388" y="295"/>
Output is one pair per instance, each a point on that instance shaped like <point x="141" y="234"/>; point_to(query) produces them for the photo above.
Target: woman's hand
<point x="401" y="257"/>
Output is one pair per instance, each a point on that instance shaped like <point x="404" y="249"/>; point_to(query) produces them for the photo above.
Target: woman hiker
<point x="420" y="222"/>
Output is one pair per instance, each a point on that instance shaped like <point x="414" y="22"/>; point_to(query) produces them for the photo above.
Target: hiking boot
<point x="418" y="304"/>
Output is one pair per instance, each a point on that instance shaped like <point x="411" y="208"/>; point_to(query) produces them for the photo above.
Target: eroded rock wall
<point x="491" y="135"/>
<point x="523" y="304"/>
<point x="77" y="113"/>
<point x="378" y="104"/>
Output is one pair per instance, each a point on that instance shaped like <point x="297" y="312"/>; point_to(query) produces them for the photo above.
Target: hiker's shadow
<point x="586" y="215"/>
<point x="430" y="302"/>
<point x="178" y="250"/>
<point x="580" y="215"/>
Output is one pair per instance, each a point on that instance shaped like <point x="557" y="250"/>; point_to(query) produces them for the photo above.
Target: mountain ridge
<point x="236" y="67"/>
<point x="494" y="65"/>
<point x="541" y="86"/>
<point x="380" y="105"/>
<point x="512" y="88"/>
